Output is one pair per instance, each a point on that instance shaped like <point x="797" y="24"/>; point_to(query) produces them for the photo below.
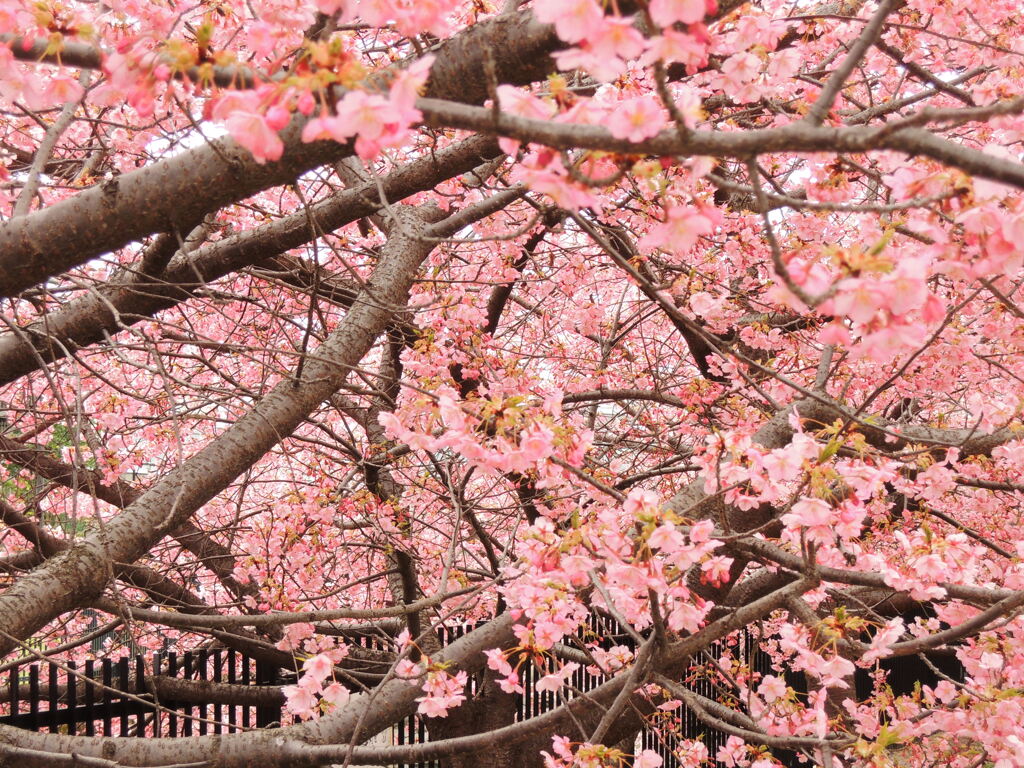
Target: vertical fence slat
<point x="421" y="730"/>
<point x="158" y="715"/>
<point x="410" y="729"/>
<point x="246" y="711"/>
<point x="187" y="711"/>
<point x="108" y="698"/>
<point x="201" y="661"/>
<point x="33" y="696"/>
<point x="232" y="710"/>
<point x="72" y="698"/>
<point x="90" y="698"/>
<point x="123" y="683"/>
<point x="266" y="714"/>
<point x="217" y="678"/>
<point x="14" y="678"/>
<point x="172" y="716"/>
<point x="53" y="696"/>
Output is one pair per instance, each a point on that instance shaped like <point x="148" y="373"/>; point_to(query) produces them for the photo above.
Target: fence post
<point x="266" y="714"/>
<point x="72" y="698"/>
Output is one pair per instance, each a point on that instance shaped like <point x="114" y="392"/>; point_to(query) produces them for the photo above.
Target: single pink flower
<point x="252" y="132"/>
<point x="637" y="119"/>
<point x="336" y="694"/>
<point x="299" y="701"/>
<point x="667" y="12"/>
<point x="319" y="667"/>
<point x="574" y="20"/>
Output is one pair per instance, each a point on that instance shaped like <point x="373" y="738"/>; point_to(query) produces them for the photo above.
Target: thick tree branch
<point x="78" y="575"/>
<point x="795" y="137"/>
<point x="90" y="318"/>
<point x="215" y="558"/>
<point x="179" y="191"/>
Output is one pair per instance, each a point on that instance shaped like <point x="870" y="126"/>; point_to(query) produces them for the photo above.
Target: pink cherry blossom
<point x="637" y="119"/>
<point x="574" y="20"/>
<point x="680" y="232"/>
<point x="647" y="758"/>
<point x="617" y="38"/>
<point x="318" y="667"/>
<point x="674" y="46"/>
<point x="666" y="537"/>
<point x="809" y="512"/>
<point x="336" y="694"/>
<point x="252" y="132"/>
<point x="299" y="701"/>
<point x="294" y="634"/>
<point x="443" y="691"/>
<point x="408" y="670"/>
<point x="334" y="306"/>
<point x="732" y="753"/>
<point x="772" y="688"/>
<point x="667" y="12"/>
<point x="555" y="680"/>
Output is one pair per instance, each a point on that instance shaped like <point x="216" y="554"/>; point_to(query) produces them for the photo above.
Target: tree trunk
<point x="490" y="708"/>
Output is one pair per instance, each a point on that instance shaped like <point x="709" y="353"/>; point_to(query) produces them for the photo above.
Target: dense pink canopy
<point x="320" y="318"/>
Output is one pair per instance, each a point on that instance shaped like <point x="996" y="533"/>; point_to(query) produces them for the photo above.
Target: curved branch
<point x="90" y="318"/>
<point x="78" y="575"/>
<point x="180" y="190"/>
<point x="795" y="137"/>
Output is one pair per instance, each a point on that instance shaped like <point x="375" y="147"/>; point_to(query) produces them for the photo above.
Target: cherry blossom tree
<point x="320" y="319"/>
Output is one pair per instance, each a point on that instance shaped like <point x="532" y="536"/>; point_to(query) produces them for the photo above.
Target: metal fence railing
<point x="220" y="691"/>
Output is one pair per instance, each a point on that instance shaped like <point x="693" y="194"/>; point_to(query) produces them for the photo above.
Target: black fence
<point x="116" y="698"/>
<point x="125" y="697"/>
